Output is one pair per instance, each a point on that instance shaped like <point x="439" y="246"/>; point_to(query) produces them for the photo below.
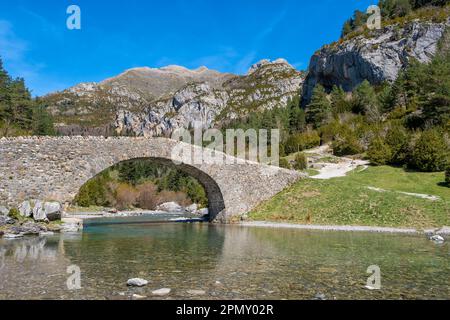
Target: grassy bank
<point x="349" y="201"/>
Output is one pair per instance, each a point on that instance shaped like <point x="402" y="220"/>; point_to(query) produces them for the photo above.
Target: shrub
<point x="430" y="152"/>
<point x="14" y="214"/>
<point x="397" y="138"/>
<point x="284" y="163"/>
<point x="126" y="196"/>
<point x="148" y="196"/>
<point x="93" y="193"/>
<point x="301" y="162"/>
<point x="302" y="141"/>
<point x="330" y="130"/>
<point x="379" y="152"/>
<point x="346" y="145"/>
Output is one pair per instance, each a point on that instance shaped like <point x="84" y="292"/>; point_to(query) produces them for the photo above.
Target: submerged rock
<point x="46" y="233"/>
<point x="196" y="292"/>
<point x="137" y="282"/>
<point x="70" y="225"/>
<point x="162" y="292"/>
<point x="12" y="236"/>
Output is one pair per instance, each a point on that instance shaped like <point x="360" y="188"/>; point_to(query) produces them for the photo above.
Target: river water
<point x="226" y="262"/>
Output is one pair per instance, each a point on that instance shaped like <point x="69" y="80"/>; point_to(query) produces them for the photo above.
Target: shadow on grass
<point x="444" y="184"/>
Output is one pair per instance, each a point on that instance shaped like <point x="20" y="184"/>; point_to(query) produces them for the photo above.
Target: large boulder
<point x="42" y="211"/>
<point x="170" y="207"/>
<point x="39" y="212"/>
<point x="25" y="209"/>
<point x="53" y="210"/>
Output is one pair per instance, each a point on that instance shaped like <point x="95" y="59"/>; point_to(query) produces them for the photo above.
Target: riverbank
<point x="385" y="197"/>
<point x="445" y="231"/>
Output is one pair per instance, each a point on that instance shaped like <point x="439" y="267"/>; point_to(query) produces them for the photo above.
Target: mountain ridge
<point x="155" y="101"/>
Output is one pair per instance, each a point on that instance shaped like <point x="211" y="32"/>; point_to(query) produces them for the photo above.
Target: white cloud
<point x="11" y="47"/>
<point x="14" y="54"/>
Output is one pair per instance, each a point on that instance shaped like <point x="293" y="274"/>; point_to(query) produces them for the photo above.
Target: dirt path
<point x="336" y="167"/>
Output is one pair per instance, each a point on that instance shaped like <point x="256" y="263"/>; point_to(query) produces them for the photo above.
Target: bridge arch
<point x="216" y="202"/>
<point x="55" y="168"/>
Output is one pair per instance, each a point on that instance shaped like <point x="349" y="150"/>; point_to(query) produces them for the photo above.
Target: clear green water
<point x="249" y="263"/>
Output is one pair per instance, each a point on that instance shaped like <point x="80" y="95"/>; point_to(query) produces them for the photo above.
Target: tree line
<point x="390" y="9"/>
<point x="20" y="114"/>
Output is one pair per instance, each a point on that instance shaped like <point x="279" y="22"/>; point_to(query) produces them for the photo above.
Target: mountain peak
<point x="265" y="62"/>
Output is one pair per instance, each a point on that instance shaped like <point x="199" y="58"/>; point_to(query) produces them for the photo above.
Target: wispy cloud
<point x="249" y="58"/>
<point x="271" y="26"/>
<point x="11" y="47"/>
<point x="222" y="60"/>
<point x="245" y="62"/>
<point x="46" y="26"/>
<point x="14" y="53"/>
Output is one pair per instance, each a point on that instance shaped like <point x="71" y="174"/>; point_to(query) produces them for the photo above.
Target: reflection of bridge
<point x="56" y="168"/>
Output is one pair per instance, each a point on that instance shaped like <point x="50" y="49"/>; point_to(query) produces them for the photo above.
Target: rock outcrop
<point x="376" y="57"/>
<point x="154" y="102"/>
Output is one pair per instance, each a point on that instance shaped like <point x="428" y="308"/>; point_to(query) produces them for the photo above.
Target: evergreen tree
<point x="397" y="138"/>
<point x="365" y="102"/>
<point x="379" y="153"/>
<point x="297" y="116"/>
<point x="19" y="113"/>
<point x="395" y="8"/>
<point x="430" y="153"/>
<point x="386" y="98"/>
<point x="339" y="103"/>
<point x="42" y="123"/>
<point x="318" y="111"/>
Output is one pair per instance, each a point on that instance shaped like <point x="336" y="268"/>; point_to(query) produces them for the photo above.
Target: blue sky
<point x="227" y="36"/>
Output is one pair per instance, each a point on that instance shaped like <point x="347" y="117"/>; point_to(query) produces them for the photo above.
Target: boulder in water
<point x="162" y="292"/>
<point x="137" y="282"/>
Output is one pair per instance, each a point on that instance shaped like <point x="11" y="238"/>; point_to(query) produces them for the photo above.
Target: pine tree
<point x="42" y="122"/>
<point x="297" y="116"/>
<point x="339" y="103"/>
<point x="318" y="111"/>
<point x="365" y="102"/>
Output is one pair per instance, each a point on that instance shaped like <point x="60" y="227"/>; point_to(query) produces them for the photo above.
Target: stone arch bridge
<point x="54" y="169"/>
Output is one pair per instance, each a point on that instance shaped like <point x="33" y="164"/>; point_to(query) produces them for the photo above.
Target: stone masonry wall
<point x="54" y="169"/>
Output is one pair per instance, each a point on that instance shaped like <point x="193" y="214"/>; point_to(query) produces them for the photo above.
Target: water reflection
<point x="227" y="262"/>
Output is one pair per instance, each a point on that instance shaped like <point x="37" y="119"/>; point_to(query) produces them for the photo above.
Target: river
<point x="226" y="262"/>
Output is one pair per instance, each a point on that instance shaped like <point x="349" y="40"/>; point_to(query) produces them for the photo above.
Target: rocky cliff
<point x="377" y="56"/>
<point x="154" y="102"/>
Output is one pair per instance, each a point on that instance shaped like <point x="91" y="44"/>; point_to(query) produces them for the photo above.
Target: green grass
<point x="348" y="201"/>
